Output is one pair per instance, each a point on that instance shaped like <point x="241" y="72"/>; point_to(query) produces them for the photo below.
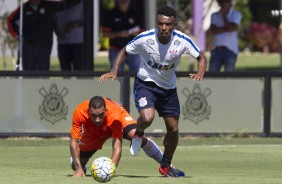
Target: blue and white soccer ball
<point x="103" y="169"/>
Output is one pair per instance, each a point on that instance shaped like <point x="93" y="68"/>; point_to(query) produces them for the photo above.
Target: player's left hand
<point x="105" y="76"/>
<point x="196" y="76"/>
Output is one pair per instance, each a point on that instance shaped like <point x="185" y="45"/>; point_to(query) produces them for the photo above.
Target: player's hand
<point x="196" y="76"/>
<point x="123" y="34"/>
<point x="79" y="173"/>
<point x="105" y="76"/>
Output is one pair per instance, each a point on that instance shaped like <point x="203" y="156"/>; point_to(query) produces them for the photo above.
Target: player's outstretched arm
<point x="74" y="148"/>
<point x="118" y="60"/>
<point x="202" y="65"/>
<point x="116" y="152"/>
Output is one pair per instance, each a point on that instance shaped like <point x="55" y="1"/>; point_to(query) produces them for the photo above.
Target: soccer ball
<point x="103" y="169"/>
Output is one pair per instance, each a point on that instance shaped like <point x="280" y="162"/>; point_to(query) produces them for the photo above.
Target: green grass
<point x="245" y="62"/>
<point x="223" y="160"/>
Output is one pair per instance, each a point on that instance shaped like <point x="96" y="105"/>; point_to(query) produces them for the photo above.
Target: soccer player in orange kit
<point x="96" y="120"/>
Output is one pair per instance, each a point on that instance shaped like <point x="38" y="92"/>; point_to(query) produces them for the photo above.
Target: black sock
<point x="165" y="162"/>
<point x="140" y="134"/>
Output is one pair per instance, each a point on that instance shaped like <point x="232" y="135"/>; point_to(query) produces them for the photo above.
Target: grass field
<point x="222" y="160"/>
<point x="245" y="62"/>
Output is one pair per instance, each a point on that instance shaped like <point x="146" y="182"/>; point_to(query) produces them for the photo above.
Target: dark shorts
<point x="87" y="154"/>
<point x="126" y="130"/>
<point x="149" y="95"/>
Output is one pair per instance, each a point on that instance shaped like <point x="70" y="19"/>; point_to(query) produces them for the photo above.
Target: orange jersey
<point x="93" y="137"/>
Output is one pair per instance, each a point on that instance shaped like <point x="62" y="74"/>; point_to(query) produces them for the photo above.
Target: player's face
<point x="165" y="27"/>
<point x="97" y="115"/>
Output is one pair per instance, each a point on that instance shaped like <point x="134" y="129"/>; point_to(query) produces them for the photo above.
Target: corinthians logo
<point x="53" y="107"/>
<point x="196" y="107"/>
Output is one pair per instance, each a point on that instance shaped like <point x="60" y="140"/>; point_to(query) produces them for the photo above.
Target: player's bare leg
<point x="171" y="138"/>
<point x="170" y="143"/>
<point x="144" y="121"/>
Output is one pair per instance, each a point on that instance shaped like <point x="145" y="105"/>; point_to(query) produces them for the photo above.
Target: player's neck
<point x="164" y="41"/>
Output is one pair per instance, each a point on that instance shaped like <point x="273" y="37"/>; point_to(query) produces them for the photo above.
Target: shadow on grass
<point x="87" y="175"/>
<point x="133" y="176"/>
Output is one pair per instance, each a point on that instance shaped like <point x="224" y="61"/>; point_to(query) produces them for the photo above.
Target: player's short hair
<point x="97" y="102"/>
<point x="167" y="11"/>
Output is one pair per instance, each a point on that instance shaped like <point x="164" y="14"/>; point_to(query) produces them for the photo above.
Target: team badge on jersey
<point x="196" y="107"/>
<point x="42" y="10"/>
<point x="131" y="21"/>
<point x="53" y="107"/>
<point x="173" y="54"/>
<point x="142" y="102"/>
<point x="128" y="118"/>
<point x="176" y="42"/>
<point x="117" y="19"/>
<point x="150" y="42"/>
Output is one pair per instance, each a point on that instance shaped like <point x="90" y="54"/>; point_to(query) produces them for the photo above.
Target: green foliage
<point x="108" y="4"/>
<point x="242" y="6"/>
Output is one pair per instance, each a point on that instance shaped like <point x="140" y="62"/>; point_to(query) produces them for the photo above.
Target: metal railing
<point x="125" y="85"/>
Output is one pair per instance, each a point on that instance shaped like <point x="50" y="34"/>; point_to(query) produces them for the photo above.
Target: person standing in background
<point x="69" y="30"/>
<point x="224" y="26"/>
<point x="121" y="26"/>
<point x="38" y="27"/>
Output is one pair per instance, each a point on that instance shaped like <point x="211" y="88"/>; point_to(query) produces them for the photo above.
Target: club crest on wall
<point x="53" y="107"/>
<point x="196" y="107"/>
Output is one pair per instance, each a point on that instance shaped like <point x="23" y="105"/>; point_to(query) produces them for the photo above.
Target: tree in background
<point x="259" y="31"/>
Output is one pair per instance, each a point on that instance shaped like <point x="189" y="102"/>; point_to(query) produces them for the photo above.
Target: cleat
<point x="180" y="173"/>
<point x="171" y="171"/>
<point x="135" y="145"/>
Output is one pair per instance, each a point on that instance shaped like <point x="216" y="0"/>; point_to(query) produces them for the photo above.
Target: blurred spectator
<point x="224" y="26"/>
<point x="69" y="30"/>
<point x="7" y="42"/>
<point x="38" y="27"/>
<point x="121" y="25"/>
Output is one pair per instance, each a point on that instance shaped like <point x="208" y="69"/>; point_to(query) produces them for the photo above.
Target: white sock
<point x="152" y="150"/>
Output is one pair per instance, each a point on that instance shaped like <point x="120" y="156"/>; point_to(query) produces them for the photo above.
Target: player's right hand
<point x="79" y="173"/>
<point x="105" y="76"/>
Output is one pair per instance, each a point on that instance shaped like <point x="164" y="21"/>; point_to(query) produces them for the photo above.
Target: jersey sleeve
<point x="236" y="18"/>
<point x="117" y="131"/>
<point x="213" y="18"/>
<point x="119" y="118"/>
<point x="127" y="119"/>
<point x="77" y="122"/>
<point x="134" y="46"/>
<point x="13" y="22"/>
<point x="190" y="47"/>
